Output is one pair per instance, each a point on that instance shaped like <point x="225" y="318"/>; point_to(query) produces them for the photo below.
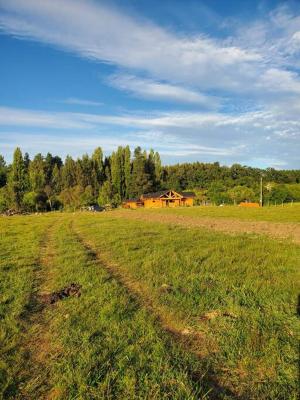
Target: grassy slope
<point x="116" y="349"/>
<point x="287" y="213"/>
<point x="111" y="348"/>
<point x="252" y="278"/>
<point x="20" y="239"/>
<point x="101" y="345"/>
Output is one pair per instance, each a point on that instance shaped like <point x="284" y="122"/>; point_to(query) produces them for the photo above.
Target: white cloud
<point x="217" y="136"/>
<point x="259" y="64"/>
<point x="194" y="63"/>
<point x="81" y="102"/>
<point x="32" y="118"/>
<point x="154" y="90"/>
<point x="98" y="32"/>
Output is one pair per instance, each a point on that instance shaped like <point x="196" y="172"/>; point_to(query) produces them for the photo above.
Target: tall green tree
<point x="127" y="171"/>
<point x="84" y="171"/>
<point x="37" y="176"/>
<point x="56" y="180"/>
<point x="68" y="175"/>
<point x="3" y="171"/>
<point x="140" y="180"/>
<point x="17" y="179"/>
<point x="158" y="170"/>
<point x="98" y="174"/>
<point x="118" y="171"/>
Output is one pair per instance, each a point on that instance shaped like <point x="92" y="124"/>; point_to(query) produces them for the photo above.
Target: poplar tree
<point x="17" y="179"/>
<point x="158" y="170"/>
<point x="37" y="177"/>
<point x="127" y="171"/>
<point x="3" y="171"/>
<point x="84" y="169"/>
<point x="56" y="179"/>
<point x="139" y="177"/>
<point x="118" y="171"/>
<point x="98" y="169"/>
<point x="69" y="173"/>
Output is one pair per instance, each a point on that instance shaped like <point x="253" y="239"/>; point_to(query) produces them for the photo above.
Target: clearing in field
<point x="119" y="306"/>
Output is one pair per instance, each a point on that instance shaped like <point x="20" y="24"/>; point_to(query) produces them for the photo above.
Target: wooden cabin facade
<point x="132" y="203"/>
<point x="168" y="198"/>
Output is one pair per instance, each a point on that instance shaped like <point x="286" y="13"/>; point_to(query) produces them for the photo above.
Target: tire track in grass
<point x="83" y="369"/>
<point x="190" y="340"/>
<point x="33" y="375"/>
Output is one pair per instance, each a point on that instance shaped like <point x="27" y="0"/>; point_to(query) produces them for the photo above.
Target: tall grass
<point x="102" y="345"/>
<point x="20" y="240"/>
<point x="250" y="282"/>
<point x="235" y="295"/>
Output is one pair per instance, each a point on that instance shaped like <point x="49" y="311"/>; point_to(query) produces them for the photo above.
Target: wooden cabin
<point x="132" y="203"/>
<point x="167" y="198"/>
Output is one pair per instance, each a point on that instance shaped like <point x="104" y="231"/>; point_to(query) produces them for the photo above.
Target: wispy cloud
<point x="273" y="135"/>
<point x="81" y="102"/>
<point x="103" y="33"/>
<point x="33" y="118"/>
<point x="241" y="63"/>
<point x="155" y="90"/>
<point x="257" y="62"/>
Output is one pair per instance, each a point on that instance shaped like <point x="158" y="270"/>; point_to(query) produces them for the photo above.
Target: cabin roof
<point x="155" y="195"/>
<point x="187" y="194"/>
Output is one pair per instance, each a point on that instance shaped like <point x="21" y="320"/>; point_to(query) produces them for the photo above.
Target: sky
<point x="196" y="80"/>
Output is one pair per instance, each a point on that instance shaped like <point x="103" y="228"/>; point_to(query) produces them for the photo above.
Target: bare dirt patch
<point x="72" y="290"/>
<point x="232" y="226"/>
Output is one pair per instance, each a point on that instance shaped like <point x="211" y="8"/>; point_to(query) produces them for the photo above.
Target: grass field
<point x="285" y="213"/>
<point x="165" y="312"/>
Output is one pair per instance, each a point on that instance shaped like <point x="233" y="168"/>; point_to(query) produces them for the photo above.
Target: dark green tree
<point x="118" y="172"/>
<point x="17" y="179"/>
<point x="37" y="176"/>
<point x="68" y="174"/>
<point x="56" y="181"/>
<point x="140" y="180"/>
<point x="127" y="171"/>
<point x="98" y="175"/>
<point x="3" y="171"/>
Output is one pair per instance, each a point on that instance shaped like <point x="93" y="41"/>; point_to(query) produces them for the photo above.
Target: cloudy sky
<point x="199" y="80"/>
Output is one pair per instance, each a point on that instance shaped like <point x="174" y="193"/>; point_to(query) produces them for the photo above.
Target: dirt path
<point x="36" y="345"/>
<point x="232" y="226"/>
<point x="193" y="341"/>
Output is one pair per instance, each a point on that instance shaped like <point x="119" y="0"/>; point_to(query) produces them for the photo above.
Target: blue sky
<point x="195" y="80"/>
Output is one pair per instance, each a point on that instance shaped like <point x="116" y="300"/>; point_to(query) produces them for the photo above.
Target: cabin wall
<point x="189" y="201"/>
<point x="152" y="203"/>
<point x="158" y="203"/>
<point x="175" y="203"/>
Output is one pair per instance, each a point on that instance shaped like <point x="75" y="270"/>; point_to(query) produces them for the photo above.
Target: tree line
<point x="49" y="183"/>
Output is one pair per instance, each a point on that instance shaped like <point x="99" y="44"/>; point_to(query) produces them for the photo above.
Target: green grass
<point x="101" y="345"/>
<point x="256" y="279"/>
<point x="110" y="344"/>
<point x="287" y="213"/>
<point x="20" y="239"/>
